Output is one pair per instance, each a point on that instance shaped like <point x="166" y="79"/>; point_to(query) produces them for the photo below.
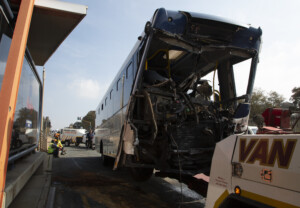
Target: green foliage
<point x="23" y="115"/>
<point x="76" y="125"/>
<point x="260" y="101"/>
<point x="295" y="98"/>
<point x="274" y="99"/>
<point x="88" y="121"/>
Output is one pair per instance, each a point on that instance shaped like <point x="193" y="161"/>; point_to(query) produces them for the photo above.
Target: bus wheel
<point x="141" y="174"/>
<point x="104" y="159"/>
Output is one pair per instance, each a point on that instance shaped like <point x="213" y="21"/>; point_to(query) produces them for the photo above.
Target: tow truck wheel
<point x="77" y="144"/>
<point x="67" y="143"/>
<point x="141" y="174"/>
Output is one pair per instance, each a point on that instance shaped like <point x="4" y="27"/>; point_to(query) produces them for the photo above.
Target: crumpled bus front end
<point x="185" y="97"/>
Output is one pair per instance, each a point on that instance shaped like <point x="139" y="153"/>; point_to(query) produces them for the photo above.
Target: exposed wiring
<point x="159" y="84"/>
<point x="216" y="91"/>
<point x="191" y="105"/>
<point x="146" y="94"/>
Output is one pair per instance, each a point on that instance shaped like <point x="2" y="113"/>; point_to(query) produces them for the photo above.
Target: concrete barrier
<point x="23" y="171"/>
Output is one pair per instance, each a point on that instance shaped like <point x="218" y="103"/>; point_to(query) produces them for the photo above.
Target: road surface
<point x="80" y="180"/>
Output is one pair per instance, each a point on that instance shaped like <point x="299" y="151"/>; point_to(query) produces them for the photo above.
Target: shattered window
<point x="241" y="73"/>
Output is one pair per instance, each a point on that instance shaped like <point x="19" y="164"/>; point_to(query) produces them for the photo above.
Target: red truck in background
<point x="280" y="121"/>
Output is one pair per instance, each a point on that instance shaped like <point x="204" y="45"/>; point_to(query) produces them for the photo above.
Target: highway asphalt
<point x="80" y="180"/>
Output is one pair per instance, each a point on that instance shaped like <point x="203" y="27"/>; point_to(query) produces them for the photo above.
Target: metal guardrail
<point x="11" y="159"/>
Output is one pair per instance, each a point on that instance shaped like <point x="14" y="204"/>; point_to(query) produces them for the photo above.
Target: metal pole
<point x="10" y="85"/>
<point x="252" y="74"/>
<point x="42" y="134"/>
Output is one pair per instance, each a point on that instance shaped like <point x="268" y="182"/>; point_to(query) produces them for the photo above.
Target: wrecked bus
<point x="175" y="95"/>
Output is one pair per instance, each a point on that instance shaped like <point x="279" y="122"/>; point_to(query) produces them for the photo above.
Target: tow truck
<point x="72" y="136"/>
<point x="256" y="170"/>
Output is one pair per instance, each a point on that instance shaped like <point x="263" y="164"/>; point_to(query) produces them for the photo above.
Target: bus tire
<point x="141" y="174"/>
<point x="103" y="158"/>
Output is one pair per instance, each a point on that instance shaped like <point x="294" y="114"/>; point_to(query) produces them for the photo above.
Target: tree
<point x="25" y="117"/>
<point x="88" y="121"/>
<point x="275" y="100"/>
<point x="260" y="102"/>
<point x="77" y="125"/>
<point x="295" y="98"/>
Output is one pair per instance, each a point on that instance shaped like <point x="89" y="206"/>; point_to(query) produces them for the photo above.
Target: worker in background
<point x="60" y="147"/>
<point x="53" y="148"/>
<point x="57" y="135"/>
<point x="90" y="137"/>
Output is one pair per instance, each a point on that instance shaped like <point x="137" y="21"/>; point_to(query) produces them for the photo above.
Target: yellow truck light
<point x="237" y="190"/>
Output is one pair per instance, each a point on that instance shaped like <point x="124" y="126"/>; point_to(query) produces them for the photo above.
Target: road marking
<point x="76" y="163"/>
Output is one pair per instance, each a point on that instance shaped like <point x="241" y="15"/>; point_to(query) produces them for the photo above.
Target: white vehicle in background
<point x="72" y="136"/>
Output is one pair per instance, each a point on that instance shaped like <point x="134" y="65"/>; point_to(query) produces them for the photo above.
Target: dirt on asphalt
<point x="82" y="181"/>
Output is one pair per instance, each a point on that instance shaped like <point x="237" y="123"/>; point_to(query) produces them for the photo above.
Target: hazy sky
<point x="79" y="72"/>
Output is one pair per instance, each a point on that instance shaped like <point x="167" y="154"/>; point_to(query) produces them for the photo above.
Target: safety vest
<point x="50" y="148"/>
<point x="59" y="144"/>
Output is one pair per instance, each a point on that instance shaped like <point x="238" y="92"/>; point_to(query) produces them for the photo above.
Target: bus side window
<point x="136" y="64"/>
<point x="118" y="84"/>
<point x="110" y="95"/>
<point x="129" y="70"/>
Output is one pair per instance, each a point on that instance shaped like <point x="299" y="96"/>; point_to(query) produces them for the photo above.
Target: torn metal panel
<point x="128" y="139"/>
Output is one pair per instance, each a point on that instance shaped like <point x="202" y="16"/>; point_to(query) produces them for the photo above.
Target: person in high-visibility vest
<point x="53" y="149"/>
<point x="61" y="147"/>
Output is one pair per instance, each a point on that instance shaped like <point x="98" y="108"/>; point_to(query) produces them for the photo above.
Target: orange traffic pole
<point x="10" y="85"/>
